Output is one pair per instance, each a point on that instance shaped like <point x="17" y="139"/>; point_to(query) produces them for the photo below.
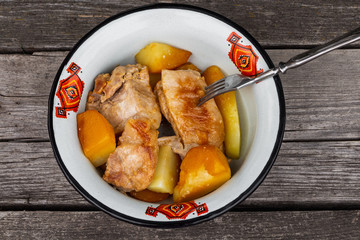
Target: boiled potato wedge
<point x="227" y="105"/>
<point x="167" y="171"/>
<point x="204" y="169"/>
<point x="189" y="66"/>
<point x="158" y="56"/>
<point x="96" y="135"/>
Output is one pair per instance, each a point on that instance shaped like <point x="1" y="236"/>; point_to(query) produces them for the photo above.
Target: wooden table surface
<point x="312" y="191"/>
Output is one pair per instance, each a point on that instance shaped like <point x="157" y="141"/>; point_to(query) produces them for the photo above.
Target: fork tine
<point x="214" y="89"/>
<point x="213" y="94"/>
<point x="203" y="100"/>
<point x="215" y="84"/>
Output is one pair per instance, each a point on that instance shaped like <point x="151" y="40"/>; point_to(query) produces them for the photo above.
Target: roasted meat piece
<point x="124" y="94"/>
<point x="178" y="93"/>
<point x="132" y="165"/>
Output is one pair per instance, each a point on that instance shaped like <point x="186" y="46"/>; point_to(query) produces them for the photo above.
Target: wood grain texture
<point x="322" y="99"/>
<point x="58" y="25"/>
<point x="24" y="89"/>
<point x="312" y="175"/>
<point x="311" y="192"/>
<point x="305" y="175"/>
<point x="240" y="225"/>
<point x="30" y="177"/>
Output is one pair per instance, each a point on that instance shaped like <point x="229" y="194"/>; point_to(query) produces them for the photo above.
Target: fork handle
<point x="310" y="55"/>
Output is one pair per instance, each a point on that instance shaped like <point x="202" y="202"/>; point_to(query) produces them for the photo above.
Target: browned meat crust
<point x="178" y="94"/>
<point x="125" y="94"/>
<point x="132" y="165"/>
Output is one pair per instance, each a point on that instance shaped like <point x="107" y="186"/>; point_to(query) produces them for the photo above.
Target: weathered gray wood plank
<point x="58" y="25"/>
<point x="312" y="174"/>
<point x="240" y="225"/>
<point x="30" y="177"/>
<point x="305" y="175"/>
<point x="322" y="98"/>
<point x="25" y="85"/>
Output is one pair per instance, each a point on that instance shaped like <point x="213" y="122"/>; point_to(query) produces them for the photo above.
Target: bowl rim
<point x="186" y="222"/>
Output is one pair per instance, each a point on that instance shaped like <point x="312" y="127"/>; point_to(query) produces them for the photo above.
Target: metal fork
<point x="237" y="81"/>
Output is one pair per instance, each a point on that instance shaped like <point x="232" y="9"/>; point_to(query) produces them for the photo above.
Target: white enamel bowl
<point x="116" y="41"/>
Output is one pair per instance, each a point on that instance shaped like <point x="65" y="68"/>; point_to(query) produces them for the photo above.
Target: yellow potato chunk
<point x="158" y="56"/>
<point x="189" y="66"/>
<point x="227" y="105"/>
<point x="204" y="169"/>
<point x="167" y="171"/>
<point x="149" y="196"/>
<point x="96" y="135"/>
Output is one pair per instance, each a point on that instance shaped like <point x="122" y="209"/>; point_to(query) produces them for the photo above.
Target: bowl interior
<point x="206" y="35"/>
